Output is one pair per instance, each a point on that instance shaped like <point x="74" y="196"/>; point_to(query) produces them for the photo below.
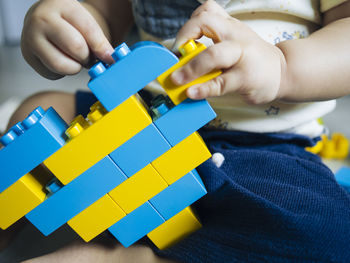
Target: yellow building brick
<point x="175" y="229"/>
<point x="137" y="189"/>
<point x="19" y="199"/>
<point x="96" y="218"/>
<point x="90" y="143"/>
<point x="182" y="158"/>
<point x="178" y="93"/>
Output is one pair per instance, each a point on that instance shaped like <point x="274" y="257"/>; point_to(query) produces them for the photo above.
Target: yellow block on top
<point x="178" y="93"/>
<point x="89" y="143"/>
<point x="182" y="158"/>
<point x="96" y="218"/>
<point x="138" y="189"/>
<point x="19" y="199"/>
<point x="175" y="229"/>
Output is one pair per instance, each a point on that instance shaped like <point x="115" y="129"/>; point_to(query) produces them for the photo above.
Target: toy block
<point x="136" y="225"/>
<point x="182" y="158"/>
<point x="188" y="51"/>
<point x="184" y="119"/>
<point x="137" y="189"/>
<point x="140" y="150"/>
<point x="29" y="143"/>
<point x="133" y="69"/>
<point x="175" y="229"/>
<point x="73" y="198"/>
<point x="19" y="199"/>
<point x="343" y="177"/>
<point x="181" y="194"/>
<point x="96" y="218"/>
<point x="160" y="105"/>
<point x="89" y="144"/>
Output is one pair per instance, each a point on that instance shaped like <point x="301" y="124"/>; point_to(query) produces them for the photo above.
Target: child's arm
<point x="315" y="68"/>
<point x="59" y="36"/>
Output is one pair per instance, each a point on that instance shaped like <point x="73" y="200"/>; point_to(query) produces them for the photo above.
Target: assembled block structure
<point x="116" y="169"/>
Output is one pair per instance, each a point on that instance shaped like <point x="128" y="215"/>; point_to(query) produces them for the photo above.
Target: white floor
<point x="18" y="81"/>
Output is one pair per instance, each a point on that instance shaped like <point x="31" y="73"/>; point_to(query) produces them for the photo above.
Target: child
<point x="268" y="199"/>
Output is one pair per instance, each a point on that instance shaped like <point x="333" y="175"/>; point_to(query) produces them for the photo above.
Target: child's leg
<point x="95" y="252"/>
<point x="64" y="104"/>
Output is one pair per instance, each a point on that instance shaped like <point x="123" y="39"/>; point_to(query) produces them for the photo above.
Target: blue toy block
<point x="343" y="177"/>
<point x="131" y="72"/>
<point x="29" y="143"/>
<point x="184" y="119"/>
<point x="140" y="150"/>
<point x="73" y="198"/>
<point x="136" y="225"/>
<point x="179" y="195"/>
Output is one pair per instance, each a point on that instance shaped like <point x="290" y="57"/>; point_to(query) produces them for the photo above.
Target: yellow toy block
<point x="182" y="158"/>
<point x="341" y="145"/>
<point x="137" y="189"/>
<point x="317" y="148"/>
<point x="19" y="199"/>
<point x="175" y="229"/>
<point x="178" y="93"/>
<point x="91" y="141"/>
<point x="96" y="218"/>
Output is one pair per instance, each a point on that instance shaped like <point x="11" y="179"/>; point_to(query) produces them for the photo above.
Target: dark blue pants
<point x="270" y="201"/>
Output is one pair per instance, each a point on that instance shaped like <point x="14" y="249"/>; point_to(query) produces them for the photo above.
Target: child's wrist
<point x="284" y="87"/>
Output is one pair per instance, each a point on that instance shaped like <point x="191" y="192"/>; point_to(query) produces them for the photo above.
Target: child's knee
<point x="62" y="102"/>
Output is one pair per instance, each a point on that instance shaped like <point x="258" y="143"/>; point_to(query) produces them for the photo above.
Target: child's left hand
<point x="251" y="67"/>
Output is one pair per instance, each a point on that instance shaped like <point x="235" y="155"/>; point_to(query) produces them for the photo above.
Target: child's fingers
<point x="220" y="56"/>
<point x="213" y="26"/>
<point x="39" y="67"/>
<point x="227" y="82"/>
<point x="210" y="6"/>
<point x="69" y="40"/>
<point x="93" y="34"/>
<point x="54" y="59"/>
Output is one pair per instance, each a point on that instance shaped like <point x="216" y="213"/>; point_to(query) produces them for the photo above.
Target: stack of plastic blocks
<point x="116" y="169"/>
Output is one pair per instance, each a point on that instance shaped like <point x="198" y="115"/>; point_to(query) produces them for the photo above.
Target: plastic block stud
<point x="133" y="70"/>
<point x="29" y="143"/>
<point x="73" y="198"/>
<point x="96" y="218"/>
<point x="19" y="199"/>
<point x="175" y="229"/>
<point x="181" y="194"/>
<point x="92" y="140"/>
<point x="178" y="93"/>
<point x="182" y="158"/>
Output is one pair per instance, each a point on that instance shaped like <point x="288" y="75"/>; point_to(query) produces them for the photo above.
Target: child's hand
<point x="58" y="36"/>
<point x="251" y="67"/>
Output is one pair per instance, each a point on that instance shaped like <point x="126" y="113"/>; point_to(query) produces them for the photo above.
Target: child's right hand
<point x="60" y="36"/>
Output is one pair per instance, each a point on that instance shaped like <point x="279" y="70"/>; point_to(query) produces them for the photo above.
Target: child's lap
<point x="269" y="200"/>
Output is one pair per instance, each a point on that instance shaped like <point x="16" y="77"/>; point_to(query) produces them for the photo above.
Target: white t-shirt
<point x="274" y="21"/>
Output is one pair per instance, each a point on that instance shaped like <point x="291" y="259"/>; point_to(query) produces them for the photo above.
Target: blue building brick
<point x="179" y="195"/>
<point x="131" y="72"/>
<point x="29" y="143"/>
<point x="184" y="119"/>
<point x="140" y="150"/>
<point x="136" y="225"/>
<point x="343" y="178"/>
<point x="76" y="196"/>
